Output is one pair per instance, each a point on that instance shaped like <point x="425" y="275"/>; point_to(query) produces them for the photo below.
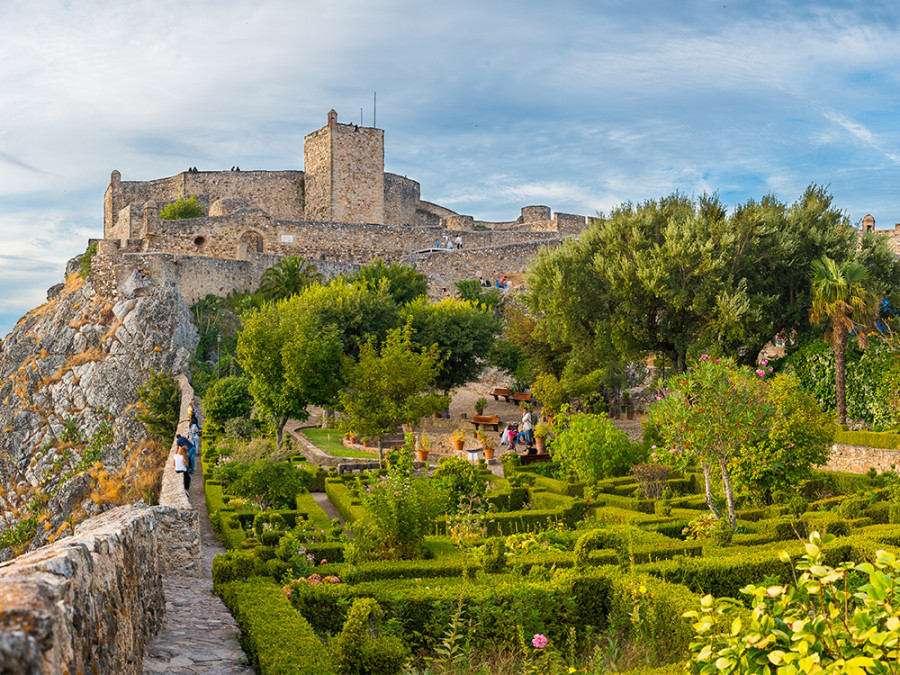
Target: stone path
<point x="199" y="635"/>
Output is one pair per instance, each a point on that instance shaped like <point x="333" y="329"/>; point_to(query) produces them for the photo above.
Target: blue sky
<point x="490" y="105"/>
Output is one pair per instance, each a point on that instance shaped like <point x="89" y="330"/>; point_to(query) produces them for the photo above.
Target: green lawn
<point x="329" y="441"/>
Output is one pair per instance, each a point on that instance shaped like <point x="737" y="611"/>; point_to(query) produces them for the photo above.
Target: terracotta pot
<point x="489" y="453"/>
<point x="423" y="455"/>
<point x="479" y="411"/>
<point x="459" y="445"/>
<point x="540" y="444"/>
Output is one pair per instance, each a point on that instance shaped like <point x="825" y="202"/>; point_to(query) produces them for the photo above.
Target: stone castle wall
<point x="401" y="201"/>
<point x="444" y="268"/>
<point x="345" y="173"/>
<point x="92" y="602"/>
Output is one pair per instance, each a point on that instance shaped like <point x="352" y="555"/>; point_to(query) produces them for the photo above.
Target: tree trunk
<point x="709" y="500"/>
<point x="841" y="337"/>
<point x="729" y="493"/>
<point x="279" y="432"/>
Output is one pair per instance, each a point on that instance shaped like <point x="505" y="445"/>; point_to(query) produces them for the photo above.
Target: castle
<point x="341" y="211"/>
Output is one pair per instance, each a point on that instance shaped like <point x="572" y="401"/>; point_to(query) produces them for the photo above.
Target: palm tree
<point x="288" y="277"/>
<point x="840" y="296"/>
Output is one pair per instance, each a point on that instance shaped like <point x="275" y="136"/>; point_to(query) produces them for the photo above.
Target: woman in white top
<point x="180" y="460"/>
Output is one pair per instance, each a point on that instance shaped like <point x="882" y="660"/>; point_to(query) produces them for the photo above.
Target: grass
<point x="329" y="441"/>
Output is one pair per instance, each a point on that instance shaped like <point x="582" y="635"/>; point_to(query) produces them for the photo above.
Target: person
<point x="189" y="450"/>
<point x="512" y="433"/>
<point x="180" y="462"/>
<point x="458" y="241"/>
<point x="195" y="441"/>
<point x="194" y="419"/>
<point x="528" y="427"/>
<point x="504" y="283"/>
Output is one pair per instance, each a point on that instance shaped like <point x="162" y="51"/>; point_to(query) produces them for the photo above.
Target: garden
<point x="715" y="543"/>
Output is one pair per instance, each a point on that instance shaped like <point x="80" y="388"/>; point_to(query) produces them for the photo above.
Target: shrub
<point x="591" y="446"/>
<point x="226" y="399"/>
<point x="84" y="265"/>
<point x="458" y="480"/>
<point x="277" y="639"/>
<point x="182" y="208"/>
<point x="160" y="403"/>
<point x="651" y="478"/>
<point x="359" y="648"/>
<point x="272" y="484"/>
<point x="793" y="626"/>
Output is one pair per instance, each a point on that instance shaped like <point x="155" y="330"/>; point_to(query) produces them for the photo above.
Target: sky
<point x="490" y="105"/>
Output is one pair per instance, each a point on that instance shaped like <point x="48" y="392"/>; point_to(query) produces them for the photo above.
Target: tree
<point x="289" y="360"/>
<point x="840" y="296"/>
<point x="798" y="439"/>
<point x="288" y="277"/>
<point x="404" y="283"/>
<point x="678" y="276"/>
<point x="226" y="399"/>
<point x="463" y="333"/>
<point x="160" y="404"/>
<point x="183" y="208"/>
<point x="710" y="413"/>
<point x="390" y="388"/>
<point x="473" y="291"/>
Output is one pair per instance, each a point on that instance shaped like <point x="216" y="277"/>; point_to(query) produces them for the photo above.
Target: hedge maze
<point x="561" y="559"/>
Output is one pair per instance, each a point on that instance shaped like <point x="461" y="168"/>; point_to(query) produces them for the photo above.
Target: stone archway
<point x="251" y="240"/>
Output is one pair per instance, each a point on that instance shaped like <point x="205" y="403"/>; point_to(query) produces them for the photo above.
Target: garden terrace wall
<point x="859" y="459"/>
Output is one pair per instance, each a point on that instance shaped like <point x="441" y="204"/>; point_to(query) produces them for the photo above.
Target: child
<point x="512" y="433"/>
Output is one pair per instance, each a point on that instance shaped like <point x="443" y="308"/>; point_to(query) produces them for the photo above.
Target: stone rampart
<point x="859" y="459"/>
<point x="401" y="199"/>
<point x="92" y="602"/>
<point x="444" y="268"/>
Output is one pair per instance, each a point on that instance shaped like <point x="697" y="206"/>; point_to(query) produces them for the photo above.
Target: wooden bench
<point x="533" y="459"/>
<point x="521" y="397"/>
<point x="486" y="421"/>
<point x="498" y="392"/>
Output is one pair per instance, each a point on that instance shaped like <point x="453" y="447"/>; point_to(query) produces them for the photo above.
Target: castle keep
<point x="342" y="210"/>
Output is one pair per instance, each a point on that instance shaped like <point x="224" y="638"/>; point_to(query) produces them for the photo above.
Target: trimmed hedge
<point x="347" y="505"/>
<point x="307" y="504"/>
<point x="275" y="636"/>
<point x="868" y="439"/>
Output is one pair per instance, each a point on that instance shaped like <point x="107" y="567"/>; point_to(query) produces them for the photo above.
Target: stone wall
<point x="195" y="276"/>
<point x="88" y="603"/>
<point x="859" y="459"/>
<point x="401" y="199"/>
<point x="444" y="268"/>
<point x="278" y="193"/>
<point x="93" y="601"/>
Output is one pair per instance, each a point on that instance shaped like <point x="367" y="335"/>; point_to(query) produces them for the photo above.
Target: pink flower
<point x="539" y="641"/>
<point x="770" y="369"/>
<point x="761" y="373"/>
<point x="659" y="397"/>
<point x="705" y="357"/>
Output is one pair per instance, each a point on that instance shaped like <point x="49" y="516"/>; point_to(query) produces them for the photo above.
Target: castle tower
<point x="344" y="173"/>
<point x="868" y="223"/>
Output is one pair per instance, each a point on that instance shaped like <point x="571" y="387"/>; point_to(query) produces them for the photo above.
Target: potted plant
<point x="459" y="439"/>
<point x="541" y="431"/>
<point x="480" y="405"/>
<point x="423" y="445"/>
<point x="488" y="445"/>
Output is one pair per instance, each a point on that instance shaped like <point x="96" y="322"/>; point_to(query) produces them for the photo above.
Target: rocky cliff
<point x="69" y="375"/>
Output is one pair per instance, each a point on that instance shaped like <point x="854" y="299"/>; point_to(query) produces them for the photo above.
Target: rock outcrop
<point x="69" y="377"/>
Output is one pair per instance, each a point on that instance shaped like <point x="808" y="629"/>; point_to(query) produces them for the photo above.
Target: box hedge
<point x="274" y="635"/>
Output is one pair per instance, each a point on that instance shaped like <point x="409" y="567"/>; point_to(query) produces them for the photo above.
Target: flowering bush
<point x="402" y="506"/>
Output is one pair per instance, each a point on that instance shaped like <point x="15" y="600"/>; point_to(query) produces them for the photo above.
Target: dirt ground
<point x="463" y="404"/>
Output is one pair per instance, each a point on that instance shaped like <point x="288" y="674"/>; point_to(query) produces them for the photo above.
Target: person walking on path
<point x="195" y="441"/>
<point x="189" y="451"/>
<point x="181" y="466"/>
